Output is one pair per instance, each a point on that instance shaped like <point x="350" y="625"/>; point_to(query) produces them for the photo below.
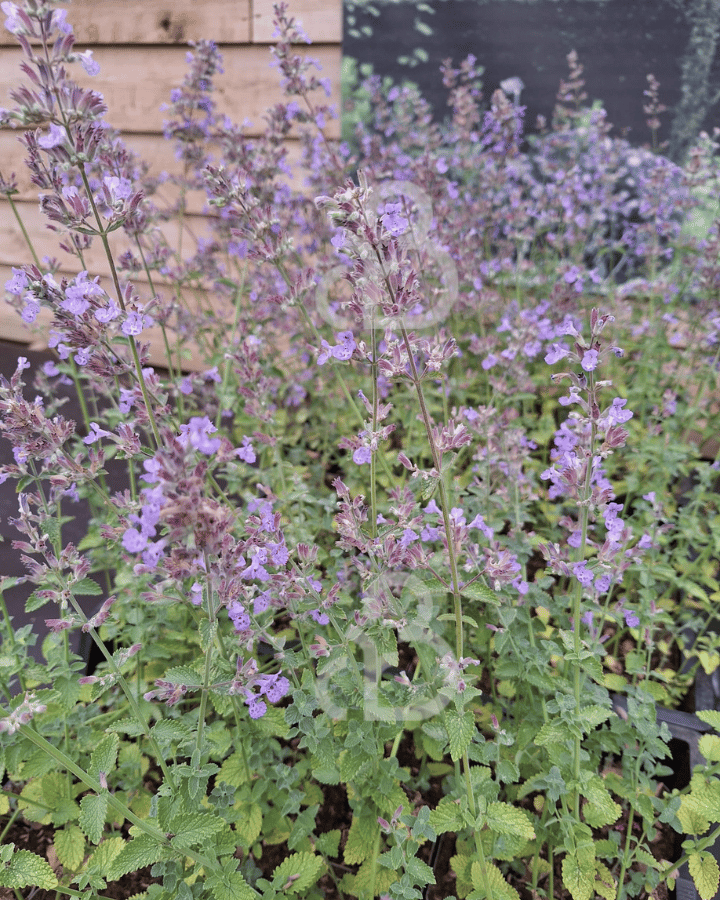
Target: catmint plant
<point x="387" y="586"/>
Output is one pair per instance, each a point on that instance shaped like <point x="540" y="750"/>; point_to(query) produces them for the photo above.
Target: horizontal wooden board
<point x="136" y="82"/>
<point x="321" y="19"/>
<point x="180" y="21"/>
<point x="152" y="148"/>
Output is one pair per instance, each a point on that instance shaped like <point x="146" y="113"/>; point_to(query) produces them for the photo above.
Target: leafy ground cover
<point x="442" y="490"/>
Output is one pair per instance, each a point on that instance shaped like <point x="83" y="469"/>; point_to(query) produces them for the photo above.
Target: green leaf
<point x="184" y="675"/>
<point x="592" y="716"/>
<point x="230" y="886"/>
<point x="127" y="726"/>
<point x="249" y="824"/>
<point x="605" y="884"/>
<point x="86" y="587"/>
<point x="479" y="593"/>
<point x="502" y="818"/>
<point x="70" y="846"/>
<point x="34" y="602"/>
<point x="297" y="873"/>
<point x="328" y="843"/>
<point x="600" y="809"/>
<point x="578" y="872"/>
<point x="498" y="888"/>
<point x="710" y="716"/>
<point x="93" y="810"/>
<point x="460" y="729"/>
<point x="101" y="861"/>
<point x="25" y="869"/>
<point x="135" y="854"/>
<point x="420" y="872"/>
<point x="709" y="746"/>
<point x="552" y="733"/>
<point x="104" y="755"/>
<point x="361" y="839"/>
<point x="704" y="871"/>
<point x="446" y="816"/>
<point x="692" y="817"/>
<point x="194" y="828"/>
<point x="234" y="770"/>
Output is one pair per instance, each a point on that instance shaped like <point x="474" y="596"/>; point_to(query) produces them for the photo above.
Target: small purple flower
<point x="107" y="313"/>
<point x="54" y="138"/>
<point x="246" y="452"/>
<point x="96" y="432"/>
<point x="197" y="434"/>
<point x="590" y="360"/>
<point x="134" y="323"/>
<point x="631" y="619"/>
<point x="256" y="707"/>
<point x="555" y="354"/>
<point x="91" y="66"/>
<point x="583" y="574"/>
<point x="82" y="357"/>
<point x="133" y="541"/>
<point x="362" y="455"/>
<point x="321" y="618"/>
<point x="30" y="310"/>
<point x="393" y="219"/>
<point x="18" y="283"/>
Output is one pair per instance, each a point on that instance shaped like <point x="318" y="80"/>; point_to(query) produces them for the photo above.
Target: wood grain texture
<point x="152" y="148"/>
<point x="179" y="21"/>
<point x="321" y="20"/>
<point x="136" y="82"/>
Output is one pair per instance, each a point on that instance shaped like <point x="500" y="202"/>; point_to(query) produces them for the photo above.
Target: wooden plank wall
<point x="141" y="47"/>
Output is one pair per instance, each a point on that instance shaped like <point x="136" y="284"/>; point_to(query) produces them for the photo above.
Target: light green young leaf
<point x="135" y="854"/>
<point x="93" y="810"/>
<point x="361" y="839"/>
<point x="480" y="593"/>
<point x="498" y="888"/>
<point x="26" y="869"/>
<point x="692" y="816"/>
<point x="592" y="716"/>
<point x="600" y="809"/>
<point x="578" y="872"/>
<point x="460" y="729"/>
<point x="297" y="873"/>
<point x="503" y="818"/>
<point x="446" y="816"/>
<point x="86" y="587"/>
<point x="249" y="824"/>
<point x="230" y="886"/>
<point x="70" y="846"/>
<point x="194" y="828"/>
<point x="704" y="871"/>
<point x="234" y="770"/>
<point x="328" y="843"/>
<point x="710" y="716"/>
<point x="101" y="861"/>
<point x="104" y="755"/>
<point x="709" y="746"/>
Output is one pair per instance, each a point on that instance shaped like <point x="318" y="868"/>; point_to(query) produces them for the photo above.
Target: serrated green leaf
<point x="352" y="764"/>
<point x="502" y="818"/>
<point x="578" y="872"/>
<point x="193" y="828"/>
<point x="592" y="716"/>
<point x="497" y="887"/>
<point x="272" y="724"/>
<point x="93" y="810"/>
<point x="709" y="746"/>
<point x="552" y="733"/>
<point x="605" y="884"/>
<point x="446" y="816"/>
<point x="230" y="886"/>
<point x="234" y="770"/>
<point x="691" y="816"/>
<point x="34" y="602"/>
<point x="703" y="868"/>
<point x="420" y="872"/>
<point x="207" y="630"/>
<point x="297" y="873"/>
<point x="249" y="824"/>
<point x="600" y="809"/>
<point x="101" y="861"/>
<point x="26" y="869"/>
<point x="460" y="729"/>
<point x="710" y="716"/>
<point x="86" y="587"/>
<point x="104" y="756"/>
<point x="135" y="854"/>
<point x="480" y="593"/>
<point x="361" y="839"/>
<point x="184" y="675"/>
<point x="328" y="843"/>
<point x="131" y="727"/>
<point x="70" y="846"/>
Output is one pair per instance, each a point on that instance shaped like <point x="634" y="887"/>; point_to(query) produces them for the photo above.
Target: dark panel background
<point x="619" y="42"/>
